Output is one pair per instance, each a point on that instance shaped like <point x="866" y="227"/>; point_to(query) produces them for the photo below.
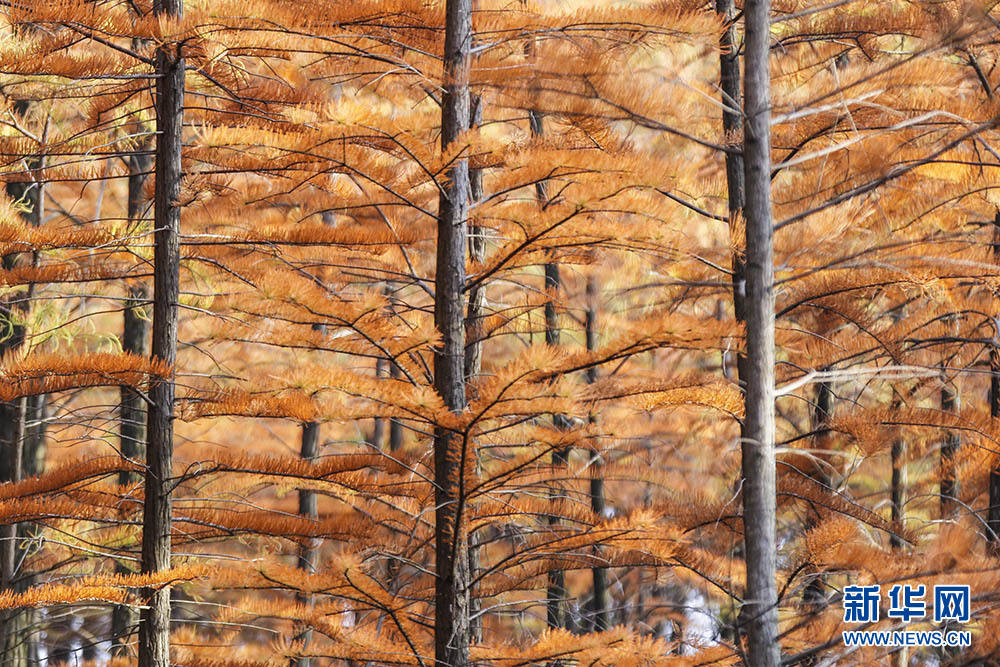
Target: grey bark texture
<point x="475" y="335"/>
<point x="154" y="624"/>
<point x="452" y="630"/>
<point x="759" y="504"/>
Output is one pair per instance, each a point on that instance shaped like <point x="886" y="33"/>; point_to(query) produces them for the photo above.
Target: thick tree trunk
<point x="759" y="505"/>
<point x="452" y="630"/>
<point x="132" y="412"/>
<point x="154" y="626"/>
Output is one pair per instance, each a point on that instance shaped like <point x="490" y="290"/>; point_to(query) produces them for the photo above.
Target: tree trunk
<point x="395" y="426"/>
<point x="12" y="621"/>
<point x="308" y="557"/>
<point x="600" y="604"/>
<point x="993" y="513"/>
<point x="132" y="412"/>
<point x="475" y="333"/>
<point x="556" y="594"/>
<point x="949" y="445"/>
<point x="378" y="425"/>
<point x="452" y="631"/>
<point x="897" y="489"/>
<point x="14" y="417"/>
<point x="814" y="597"/>
<point x="759" y="504"/>
<point x="154" y="626"/>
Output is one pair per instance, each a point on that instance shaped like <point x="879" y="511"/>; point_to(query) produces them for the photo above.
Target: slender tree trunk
<point x="475" y="333"/>
<point x="897" y="488"/>
<point x="993" y="513"/>
<point x="477" y="252"/>
<point x="14" y="417"/>
<point x="732" y="124"/>
<point x="308" y="556"/>
<point x="395" y="426"/>
<point x="12" y="622"/>
<point x="378" y="426"/>
<point x="556" y="593"/>
<point x="949" y="445"/>
<point x="132" y="412"/>
<point x="600" y="604"/>
<point x="452" y="458"/>
<point x="897" y="462"/>
<point x="154" y="626"/>
<point x="813" y="597"/>
<point x="759" y="504"/>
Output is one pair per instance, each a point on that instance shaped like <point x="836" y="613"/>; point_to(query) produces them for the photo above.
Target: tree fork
<point x="154" y="626"/>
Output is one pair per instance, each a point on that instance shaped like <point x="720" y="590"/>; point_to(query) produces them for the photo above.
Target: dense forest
<point x="499" y="333"/>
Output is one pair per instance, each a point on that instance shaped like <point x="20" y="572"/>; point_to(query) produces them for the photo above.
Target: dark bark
<point x="556" y="593"/>
<point x="378" y="425"/>
<point x="813" y="597"/>
<point x="897" y="488"/>
<point x="132" y="411"/>
<point x="475" y="334"/>
<point x="154" y="625"/>
<point x="759" y="502"/>
<point x="452" y="630"/>
<point x="14" y="417"/>
<point x="949" y="445"/>
<point x="12" y="622"/>
<point x="308" y="555"/>
<point x="600" y="604"/>
<point x="395" y="426"/>
<point x="993" y="514"/>
<point x="477" y="252"/>
<point x="897" y="462"/>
